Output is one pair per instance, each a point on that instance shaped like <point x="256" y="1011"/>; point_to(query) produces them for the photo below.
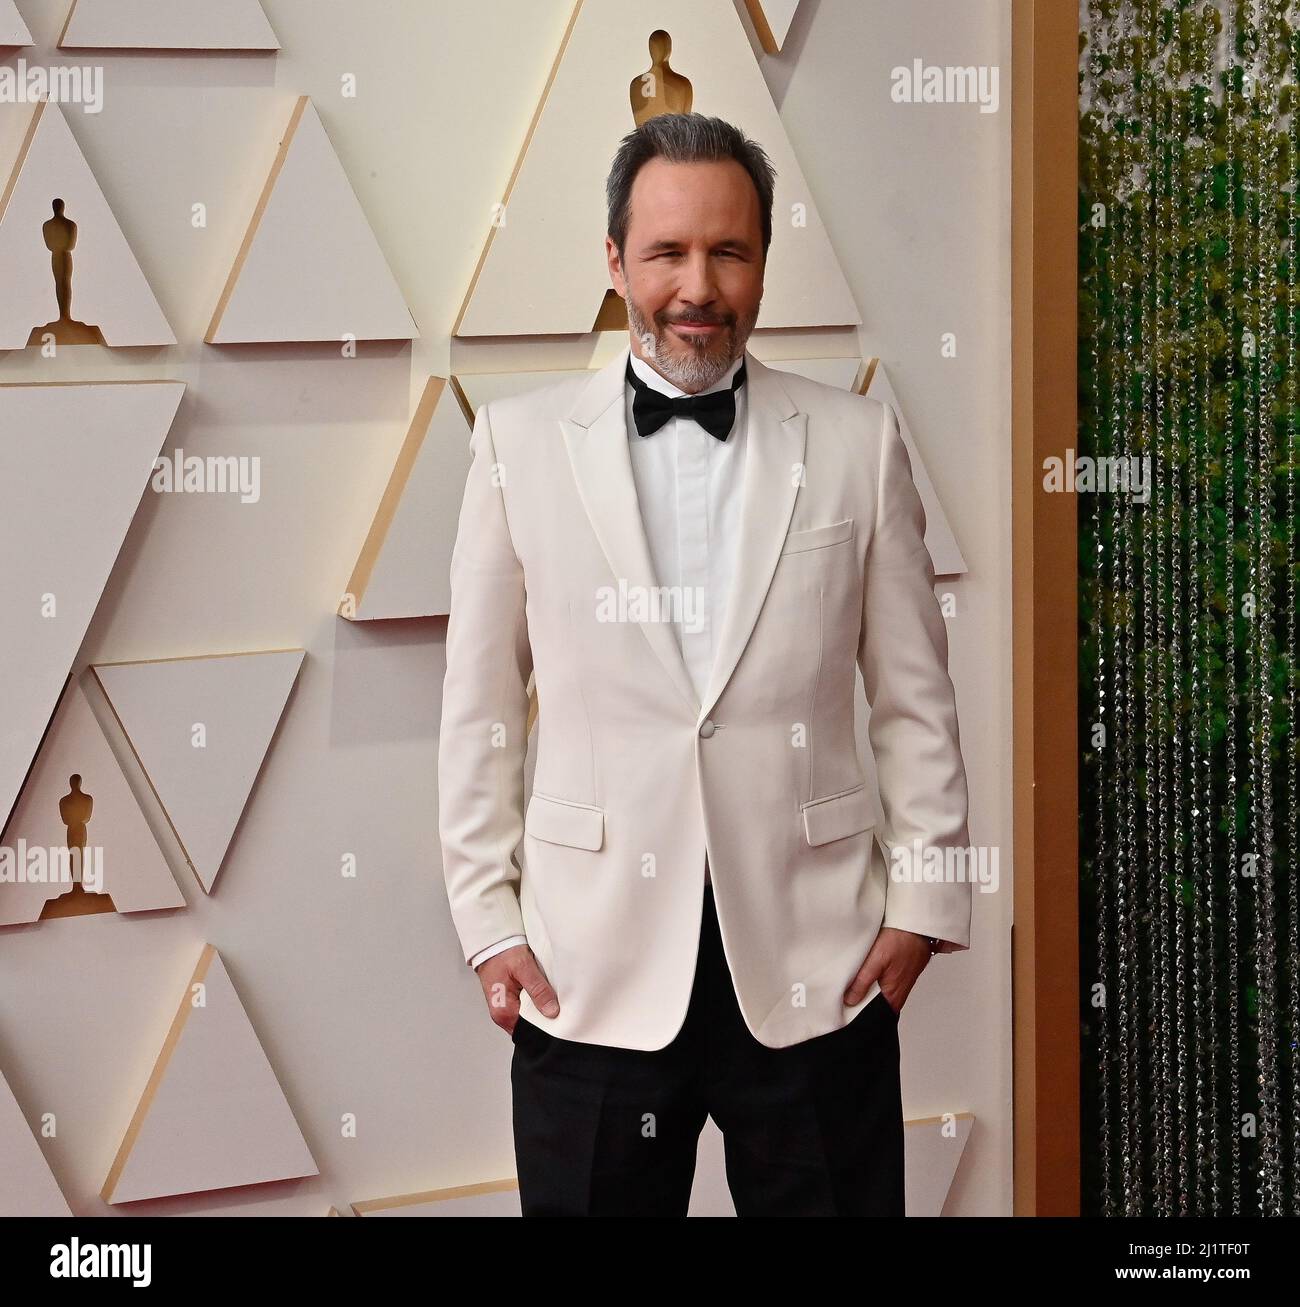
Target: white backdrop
<point x="357" y="987"/>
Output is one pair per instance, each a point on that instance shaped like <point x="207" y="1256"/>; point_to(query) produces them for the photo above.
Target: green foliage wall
<point x="1188" y="364"/>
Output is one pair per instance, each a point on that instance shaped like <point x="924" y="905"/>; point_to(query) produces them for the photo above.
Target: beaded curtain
<point x="1190" y="925"/>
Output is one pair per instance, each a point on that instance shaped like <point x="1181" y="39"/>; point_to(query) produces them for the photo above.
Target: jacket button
<point x="707" y="729"/>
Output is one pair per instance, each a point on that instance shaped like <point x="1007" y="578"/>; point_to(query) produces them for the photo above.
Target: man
<point x="690" y="552"/>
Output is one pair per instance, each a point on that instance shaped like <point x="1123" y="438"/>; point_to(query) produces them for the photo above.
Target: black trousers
<point x="815" y="1129"/>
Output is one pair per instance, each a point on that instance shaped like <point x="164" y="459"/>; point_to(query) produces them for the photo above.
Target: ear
<point x="615" y="265"/>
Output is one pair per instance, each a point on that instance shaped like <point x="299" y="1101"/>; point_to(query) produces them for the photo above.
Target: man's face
<point x="692" y="271"/>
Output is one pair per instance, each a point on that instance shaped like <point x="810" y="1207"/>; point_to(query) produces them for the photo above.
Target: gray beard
<point x="690" y="372"/>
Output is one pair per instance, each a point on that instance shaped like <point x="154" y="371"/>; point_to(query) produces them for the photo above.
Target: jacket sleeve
<point x="483" y="738"/>
<point x="903" y="654"/>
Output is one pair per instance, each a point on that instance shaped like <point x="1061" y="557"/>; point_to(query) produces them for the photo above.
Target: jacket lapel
<point x="774" y="454"/>
<point x="595" y="435"/>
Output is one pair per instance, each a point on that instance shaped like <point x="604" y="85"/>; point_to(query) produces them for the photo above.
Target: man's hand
<point x="896" y="959"/>
<point x="504" y="975"/>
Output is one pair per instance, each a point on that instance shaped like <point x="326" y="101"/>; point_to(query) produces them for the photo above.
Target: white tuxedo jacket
<point x="636" y="778"/>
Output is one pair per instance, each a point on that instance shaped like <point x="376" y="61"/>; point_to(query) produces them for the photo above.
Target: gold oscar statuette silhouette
<point x="74" y="810"/>
<point x="60" y="234"/>
<point x="659" y="89"/>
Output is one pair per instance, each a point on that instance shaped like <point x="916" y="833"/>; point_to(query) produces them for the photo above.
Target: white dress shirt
<point x="689" y="486"/>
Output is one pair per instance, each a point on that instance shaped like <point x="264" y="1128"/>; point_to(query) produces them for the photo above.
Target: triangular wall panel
<point x="542" y="270"/>
<point x="945" y="553"/>
<point x="309" y="268"/>
<point x="404" y="569"/>
<point x="27" y="1188"/>
<point x="237" y="699"/>
<point x="167" y="25"/>
<point x="109" y="291"/>
<point x="13" y="31"/>
<point x="136" y="877"/>
<point x="213" y="1114"/>
<point x="90" y="450"/>
<point x="934" y="1151"/>
<point x="772" y="19"/>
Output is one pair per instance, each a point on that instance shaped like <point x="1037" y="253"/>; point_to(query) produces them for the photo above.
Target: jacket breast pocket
<point x="561" y="821"/>
<point x="839" y="815"/>
<point x="818" y="537"/>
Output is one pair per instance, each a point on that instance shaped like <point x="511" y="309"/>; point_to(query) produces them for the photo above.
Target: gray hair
<point x="685" y="138"/>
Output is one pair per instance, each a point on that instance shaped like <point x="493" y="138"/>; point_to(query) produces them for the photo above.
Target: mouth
<point x="696" y="330"/>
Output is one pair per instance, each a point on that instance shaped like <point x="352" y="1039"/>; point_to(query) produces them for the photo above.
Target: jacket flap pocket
<point x="839" y="815"/>
<point x="818" y="537"/>
<point x="558" y="821"/>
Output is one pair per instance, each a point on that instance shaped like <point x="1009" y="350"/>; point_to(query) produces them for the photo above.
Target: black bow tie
<point x="714" y="411"/>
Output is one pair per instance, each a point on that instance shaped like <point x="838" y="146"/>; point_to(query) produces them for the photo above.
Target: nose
<point x="697" y="286"/>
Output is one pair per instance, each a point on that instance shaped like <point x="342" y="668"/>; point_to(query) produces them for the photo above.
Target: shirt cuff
<point x="493" y="949"/>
